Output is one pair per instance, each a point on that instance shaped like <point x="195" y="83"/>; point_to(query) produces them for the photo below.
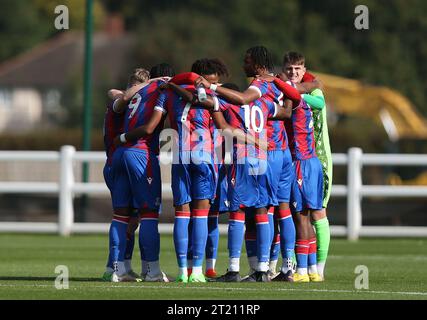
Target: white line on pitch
<point x="227" y="288"/>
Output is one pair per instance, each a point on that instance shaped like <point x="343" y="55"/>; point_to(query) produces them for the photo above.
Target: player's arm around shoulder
<point x="315" y="99"/>
<point x="235" y="97"/>
<point x="284" y="112"/>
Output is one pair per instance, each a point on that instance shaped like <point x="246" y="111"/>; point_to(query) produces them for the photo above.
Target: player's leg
<point x="181" y="184"/>
<point x="250" y="239"/>
<point x="320" y="219"/>
<point x="121" y="198"/>
<point x="109" y="266"/>
<point x="284" y="219"/>
<point x="212" y="244"/>
<point x="313" y="193"/>
<point x="275" y="243"/>
<point x="144" y="173"/>
<point x="220" y="206"/>
<point x="301" y="219"/>
<point x="130" y="243"/>
<point x="323" y="237"/>
<point x="199" y="233"/>
<point x="203" y="193"/>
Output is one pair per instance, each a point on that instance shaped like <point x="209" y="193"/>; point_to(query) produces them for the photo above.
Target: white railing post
<point x="354" y="199"/>
<point x="66" y="181"/>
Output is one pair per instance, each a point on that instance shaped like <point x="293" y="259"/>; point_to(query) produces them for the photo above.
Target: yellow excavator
<point x="390" y="109"/>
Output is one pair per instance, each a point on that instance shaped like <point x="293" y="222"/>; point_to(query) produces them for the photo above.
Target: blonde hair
<point x="139" y="75"/>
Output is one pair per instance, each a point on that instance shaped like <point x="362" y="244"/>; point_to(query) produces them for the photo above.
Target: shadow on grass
<point x="49" y="279"/>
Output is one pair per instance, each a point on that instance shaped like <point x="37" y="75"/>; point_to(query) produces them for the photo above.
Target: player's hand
<point x="202" y="81"/>
<point x="165" y="79"/>
<point x="132" y="226"/>
<point x="115" y="94"/>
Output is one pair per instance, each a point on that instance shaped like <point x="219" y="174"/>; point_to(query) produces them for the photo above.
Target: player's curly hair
<point x="162" y="70"/>
<point x="139" y="75"/>
<point x="261" y="57"/>
<point x="293" y="57"/>
<point x="210" y="66"/>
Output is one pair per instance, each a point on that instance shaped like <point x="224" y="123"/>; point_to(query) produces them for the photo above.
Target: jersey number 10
<point x="251" y="115"/>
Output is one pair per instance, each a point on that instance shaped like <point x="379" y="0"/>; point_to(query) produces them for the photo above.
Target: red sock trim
<point x="301" y="247"/>
<point x="261" y="218"/>
<point x="237" y="216"/>
<point x="182" y="214"/>
<point x="124" y="219"/>
<point x="276" y="239"/>
<point x="202" y="213"/>
<point x="271" y="210"/>
<point x="312" y="245"/>
<point x="282" y="214"/>
<point x="149" y="215"/>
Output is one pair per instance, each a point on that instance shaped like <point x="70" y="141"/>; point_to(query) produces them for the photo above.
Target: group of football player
<point x="261" y="156"/>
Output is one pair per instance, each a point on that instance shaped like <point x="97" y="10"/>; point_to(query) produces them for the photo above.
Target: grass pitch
<point x="397" y="270"/>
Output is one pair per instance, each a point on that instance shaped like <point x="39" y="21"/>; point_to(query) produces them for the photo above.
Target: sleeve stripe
<point x="216" y="104"/>
<point x="257" y="89"/>
<point x="158" y="108"/>
<point x="276" y="109"/>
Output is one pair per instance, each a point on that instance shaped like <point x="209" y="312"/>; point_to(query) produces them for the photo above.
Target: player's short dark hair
<point x="231" y="86"/>
<point x="293" y="57"/>
<point x="162" y="70"/>
<point x="261" y="57"/>
<point x="139" y="75"/>
<point x="207" y="66"/>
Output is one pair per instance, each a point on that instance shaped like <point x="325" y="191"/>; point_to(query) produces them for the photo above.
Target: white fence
<point x="66" y="188"/>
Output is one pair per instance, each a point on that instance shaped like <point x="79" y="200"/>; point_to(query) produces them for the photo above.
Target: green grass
<point x="397" y="270"/>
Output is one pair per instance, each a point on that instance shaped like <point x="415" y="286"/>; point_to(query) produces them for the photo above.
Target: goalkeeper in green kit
<point x="316" y="101"/>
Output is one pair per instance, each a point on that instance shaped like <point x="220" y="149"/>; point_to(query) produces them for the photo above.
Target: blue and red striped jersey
<point x="276" y="133"/>
<point x="113" y="126"/>
<point x="139" y="112"/>
<point x="301" y="132"/>
<point x="193" y="123"/>
<point x="252" y="119"/>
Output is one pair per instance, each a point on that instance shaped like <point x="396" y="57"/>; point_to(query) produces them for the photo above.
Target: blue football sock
<point x="236" y="231"/>
<point x="199" y="235"/>
<point x="312" y="252"/>
<point x="117" y="235"/>
<point x="287" y="233"/>
<point x="301" y="251"/>
<point x="263" y="238"/>
<point x="149" y="236"/>
<point x="180" y="237"/>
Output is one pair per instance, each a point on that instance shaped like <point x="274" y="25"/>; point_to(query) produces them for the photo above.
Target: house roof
<point x="56" y="61"/>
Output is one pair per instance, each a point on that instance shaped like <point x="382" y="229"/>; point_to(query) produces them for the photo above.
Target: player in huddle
<point x="307" y="189"/>
<point x="254" y="181"/>
<point x="136" y="167"/>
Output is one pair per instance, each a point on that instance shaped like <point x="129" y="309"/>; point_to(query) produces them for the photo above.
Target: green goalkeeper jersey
<point x="316" y="101"/>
